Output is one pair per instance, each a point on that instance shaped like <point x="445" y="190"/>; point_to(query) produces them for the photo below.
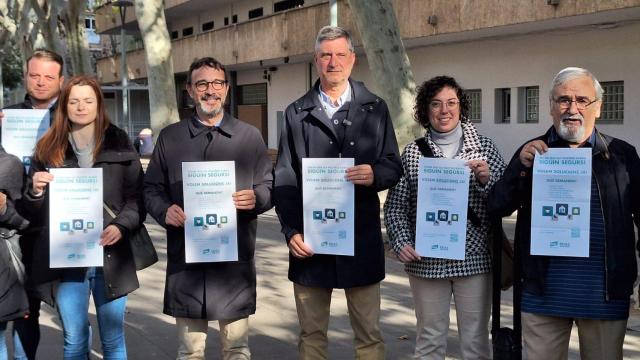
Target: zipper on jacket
<point x="604" y="229"/>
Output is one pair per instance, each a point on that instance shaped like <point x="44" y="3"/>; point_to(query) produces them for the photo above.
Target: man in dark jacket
<point x="339" y="117"/>
<point x="591" y="291"/>
<point x="43" y="81"/>
<point x="224" y="291"/>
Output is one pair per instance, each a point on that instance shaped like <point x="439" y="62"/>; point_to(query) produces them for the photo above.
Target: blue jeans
<point x="73" y="307"/>
<point x="26" y="335"/>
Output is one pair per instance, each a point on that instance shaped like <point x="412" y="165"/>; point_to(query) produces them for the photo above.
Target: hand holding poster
<point x="441" y="215"/>
<point x="21" y="130"/>
<point x="328" y="205"/>
<point x="76" y="224"/>
<point x="561" y="202"/>
<point x="210" y="231"/>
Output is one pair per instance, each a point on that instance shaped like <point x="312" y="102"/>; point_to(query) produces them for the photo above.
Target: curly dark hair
<point x="428" y="90"/>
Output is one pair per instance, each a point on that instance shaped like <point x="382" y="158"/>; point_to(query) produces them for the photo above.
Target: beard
<point x="571" y="134"/>
<point x="210" y="110"/>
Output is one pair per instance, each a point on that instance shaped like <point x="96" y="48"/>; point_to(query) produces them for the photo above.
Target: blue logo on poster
<point x="65" y="226"/>
<point x="317" y="215"/>
<point x="431" y="216"/>
<point x="454" y="217"/>
<point x="223" y="219"/>
<point x="330" y="213"/>
<point x="562" y="209"/>
<point x="342" y="234"/>
<point x="553" y="244"/>
<point x="434" y="247"/>
<point x="198" y="221"/>
<point x="575" y="211"/>
<point x="547" y="211"/>
<point x="575" y="232"/>
<point x="443" y="215"/>
<point x="78" y="224"/>
<point x="212" y="219"/>
<point x="342" y="215"/>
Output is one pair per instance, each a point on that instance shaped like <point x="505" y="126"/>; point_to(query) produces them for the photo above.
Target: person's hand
<point x="40" y="180"/>
<point x="175" y="216"/>
<point x="3" y="203"/>
<point x="528" y="152"/>
<point x="480" y="169"/>
<point x="298" y="248"/>
<point x="244" y="199"/>
<point x="110" y="235"/>
<point x="360" y="175"/>
<point x="1" y="117"/>
<point x="408" y="254"/>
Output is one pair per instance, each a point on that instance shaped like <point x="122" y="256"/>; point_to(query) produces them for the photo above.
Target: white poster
<point x="441" y="214"/>
<point x="210" y="231"/>
<point x="328" y="205"/>
<point x="21" y="130"/>
<point x="75" y="217"/>
<point x="561" y="202"/>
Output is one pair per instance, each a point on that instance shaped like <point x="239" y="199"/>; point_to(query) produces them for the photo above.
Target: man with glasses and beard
<point x="591" y="291"/>
<point x="224" y="291"/>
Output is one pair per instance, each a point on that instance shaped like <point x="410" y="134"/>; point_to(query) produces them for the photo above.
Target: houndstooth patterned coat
<point x="400" y="208"/>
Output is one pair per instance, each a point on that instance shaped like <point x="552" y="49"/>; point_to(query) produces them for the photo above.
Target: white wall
<point x="525" y="60"/>
<point x="529" y="60"/>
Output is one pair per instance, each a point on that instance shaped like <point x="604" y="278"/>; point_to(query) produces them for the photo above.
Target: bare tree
<point x="157" y="45"/>
<point x="10" y="15"/>
<point x="75" y="34"/>
<point x="388" y="62"/>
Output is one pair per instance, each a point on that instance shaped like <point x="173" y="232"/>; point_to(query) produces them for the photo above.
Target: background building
<point x="504" y="52"/>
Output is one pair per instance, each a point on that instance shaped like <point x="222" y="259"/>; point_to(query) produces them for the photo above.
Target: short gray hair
<point x="332" y="33"/>
<point x="570" y="73"/>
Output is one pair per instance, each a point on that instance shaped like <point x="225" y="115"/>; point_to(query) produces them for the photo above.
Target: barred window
<point x="612" y="111"/>
<point x="532" y="104"/>
<point x="503" y="106"/>
<point x="475" y="104"/>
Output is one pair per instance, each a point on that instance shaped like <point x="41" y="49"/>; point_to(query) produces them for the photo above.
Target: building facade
<point x="504" y="53"/>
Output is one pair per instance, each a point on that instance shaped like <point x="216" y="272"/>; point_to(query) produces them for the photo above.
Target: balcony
<point x="291" y="33"/>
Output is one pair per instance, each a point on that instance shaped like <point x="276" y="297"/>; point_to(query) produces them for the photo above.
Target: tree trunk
<point x="157" y="45"/>
<point x="388" y="62"/>
<point x="77" y="44"/>
<point x="47" y="13"/>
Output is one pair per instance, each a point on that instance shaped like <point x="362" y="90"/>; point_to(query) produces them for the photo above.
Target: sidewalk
<point x="274" y="327"/>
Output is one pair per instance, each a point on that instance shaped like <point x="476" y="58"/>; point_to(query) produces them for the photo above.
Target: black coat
<point x="122" y="181"/>
<point x="13" y="297"/>
<point x="213" y="291"/>
<point x="616" y="168"/>
<point x="30" y="235"/>
<point x="308" y="133"/>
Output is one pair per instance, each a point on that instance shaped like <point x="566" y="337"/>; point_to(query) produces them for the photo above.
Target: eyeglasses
<point x="564" y="102"/>
<point x="204" y="85"/>
<point x="437" y="104"/>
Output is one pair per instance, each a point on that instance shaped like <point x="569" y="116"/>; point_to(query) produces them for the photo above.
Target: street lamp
<point x="122" y="6"/>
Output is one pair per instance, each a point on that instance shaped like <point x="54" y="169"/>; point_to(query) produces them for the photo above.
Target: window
<point x="475" y="104"/>
<point x="253" y="94"/>
<point x="503" y="106"/>
<point x="207" y="26"/>
<point x="528" y="104"/>
<point x="234" y="19"/>
<point x="287" y="4"/>
<point x="612" y="111"/>
<point x="187" y="31"/>
<point x="174" y="34"/>
<point x="226" y="20"/>
<point x="255" y="13"/>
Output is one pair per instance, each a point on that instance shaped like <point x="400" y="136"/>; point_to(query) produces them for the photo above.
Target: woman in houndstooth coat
<point x="442" y="109"/>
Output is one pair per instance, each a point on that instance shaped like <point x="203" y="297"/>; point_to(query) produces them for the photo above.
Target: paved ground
<point x="150" y="334"/>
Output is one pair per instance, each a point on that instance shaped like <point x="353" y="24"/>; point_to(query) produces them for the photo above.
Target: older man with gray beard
<point x="591" y="291"/>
